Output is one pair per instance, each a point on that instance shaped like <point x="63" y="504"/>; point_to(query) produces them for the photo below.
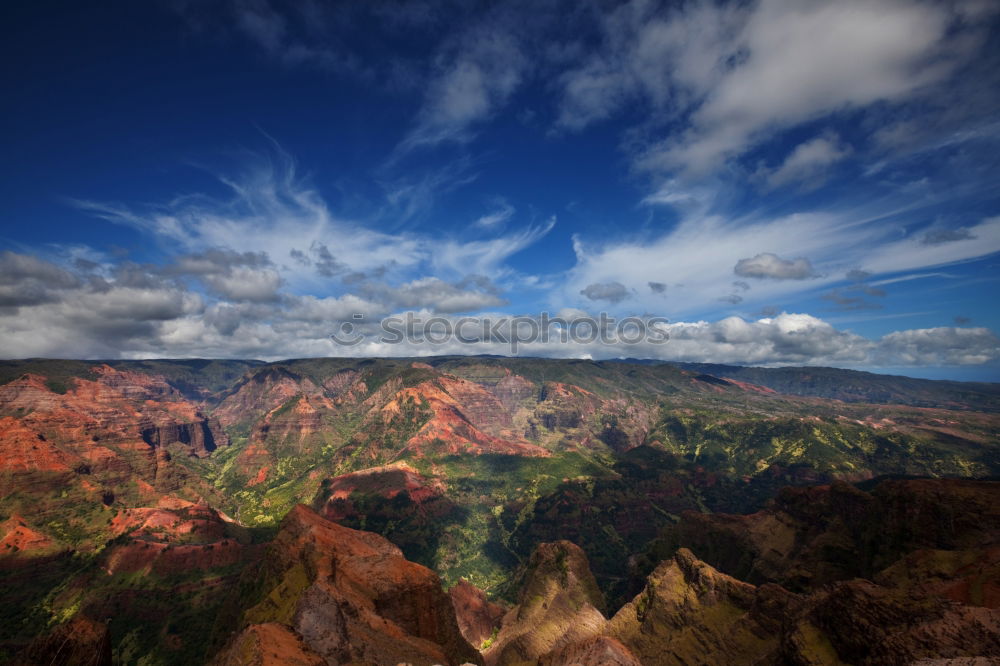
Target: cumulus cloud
<point x="324" y="261"/>
<point x="28" y="280"/>
<point x="612" y="292"/>
<point x="470" y="294"/>
<point x="944" y="345"/>
<point x="770" y="265"/>
<point x="657" y="287"/>
<point x="784" y="339"/>
<point x="141" y="312"/>
<point x="246" y="284"/>
<point x="63" y="314"/>
<point x="249" y="276"/>
<point x="217" y="261"/>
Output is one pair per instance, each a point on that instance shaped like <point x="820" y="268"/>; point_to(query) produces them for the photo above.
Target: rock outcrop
<point x="478" y="618"/>
<point x="352" y="597"/>
<point x="863" y="623"/>
<point x="559" y="604"/>
<point x="812" y="536"/>
<point x="599" y="651"/>
<point x="77" y="642"/>
<point x="690" y="613"/>
<point x="19" y="538"/>
<point x="450" y="430"/>
<point x="269" y="644"/>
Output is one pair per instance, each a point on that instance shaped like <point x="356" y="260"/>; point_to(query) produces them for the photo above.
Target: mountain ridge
<point x="143" y="481"/>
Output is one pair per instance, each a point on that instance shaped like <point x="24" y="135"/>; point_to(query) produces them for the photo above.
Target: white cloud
<point x="697" y="258"/>
<point x="247" y="284"/>
<point x="913" y="252"/>
<point x="770" y="265"/>
<point x="491" y="220"/>
<point x="273" y="215"/>
<point x="809" y="161"/>
<point x="474" y="76"/>
<point x="437" y="295"/>
<point x="725" y="77"/>
<point x="939" y="346"/>
<point x="912" y="276"/>
<point x="800" y="60"/>
<point x="486" y="257"/>
<point x="666" y="59"/>
<point x="269" y="210"/>
<point x="612" y="292"/>
<point x="141" y="315"/>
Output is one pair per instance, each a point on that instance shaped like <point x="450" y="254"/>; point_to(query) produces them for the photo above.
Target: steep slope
<point x="689" y="613"/>
<point x="118" y="480"/>
<point x="559" y="604"/>
<point x="79" y="642"/>
<point x="858" y="386"/>
<point x="352" y="597"/>
<point x="159" y="588"/>
<point x="478" y="618"/>
<point x="69" y="450"/>
<point x="812" y="536"/>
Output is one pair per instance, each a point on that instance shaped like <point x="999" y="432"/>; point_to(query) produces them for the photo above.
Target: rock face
<point x="970" y="577"/>
<point x="478" y="618"/>
<point x="690" y="613"/>
<point x="113" y="479"/>
<point x="352" y="597"/>
<point x="392" y="498"/>
<point x="75" y="449"/>
<point x="559" y="604"/>
<point x="599" y="651"/>
<point x="96" y="424"/>
<point x="812" y="536"/>
<point x="201" y="435"/>
<point x="175" y="537"/>
<point x="269" y="644"/>
<point x="388" y="482"/>
<point x="455" y="420"/>
<point x="864" y="623"/>
<point x="259" y="392"/>
<point x="17" y="537"/>
<point x="78" y="642"/>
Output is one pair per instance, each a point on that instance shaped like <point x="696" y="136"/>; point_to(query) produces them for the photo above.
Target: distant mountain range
<point x="152" y="510"/>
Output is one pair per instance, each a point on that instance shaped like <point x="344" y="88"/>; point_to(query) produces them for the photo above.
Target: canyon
<point x="494" y="511"/>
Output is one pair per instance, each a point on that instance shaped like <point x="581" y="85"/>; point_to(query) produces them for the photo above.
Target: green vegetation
<point x="487" y="642"/>
<point x="632" y="446"/>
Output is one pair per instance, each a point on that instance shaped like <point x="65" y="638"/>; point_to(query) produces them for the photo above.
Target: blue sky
<point x="787" y="182"/>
